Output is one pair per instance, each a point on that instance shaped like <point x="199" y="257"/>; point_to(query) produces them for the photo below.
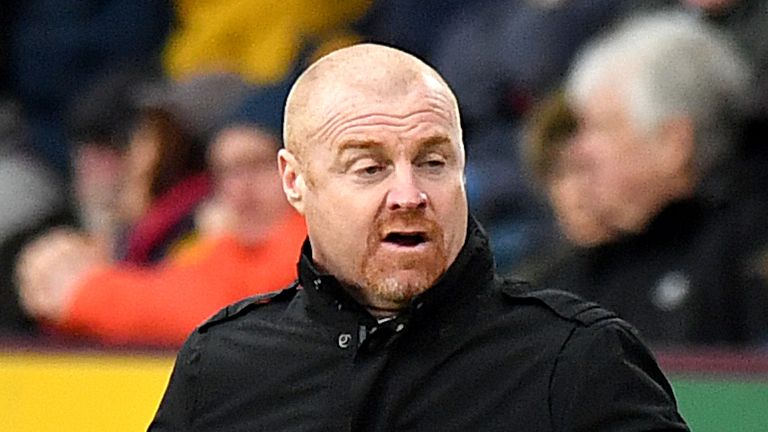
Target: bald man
<point x="397" y="320"/>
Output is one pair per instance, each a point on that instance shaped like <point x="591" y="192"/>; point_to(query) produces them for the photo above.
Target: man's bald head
<point x="351" y="77"/>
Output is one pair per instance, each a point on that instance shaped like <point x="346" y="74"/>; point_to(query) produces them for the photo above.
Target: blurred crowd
<point x="615" y="149"/>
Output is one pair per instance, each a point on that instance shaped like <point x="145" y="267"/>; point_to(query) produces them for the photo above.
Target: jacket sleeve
<point x="176" y="407"/>
<point x="605" y="379"/>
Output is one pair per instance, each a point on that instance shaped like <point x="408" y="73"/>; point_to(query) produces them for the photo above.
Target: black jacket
<point x="697" y="275"/>
<point x="473" y="353"/>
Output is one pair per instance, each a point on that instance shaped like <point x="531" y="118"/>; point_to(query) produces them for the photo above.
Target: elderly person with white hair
<point x="659" y="103"/>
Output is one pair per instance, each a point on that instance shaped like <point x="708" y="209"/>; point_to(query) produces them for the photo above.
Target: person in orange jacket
<point x="247" y="245"/>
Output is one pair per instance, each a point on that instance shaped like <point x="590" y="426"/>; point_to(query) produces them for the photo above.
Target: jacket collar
<point x="465" y="277"/>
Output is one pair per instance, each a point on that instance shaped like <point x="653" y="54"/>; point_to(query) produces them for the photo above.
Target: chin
<point x="401" y="286"/>
<point x="634" y="225"/>
<point x="397" y="275"/>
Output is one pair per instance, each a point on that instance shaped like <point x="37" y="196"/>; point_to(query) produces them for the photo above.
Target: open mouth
<point x="405" y="239"/>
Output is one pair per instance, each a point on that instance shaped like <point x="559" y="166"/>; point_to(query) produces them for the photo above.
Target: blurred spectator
<point x="165" y="180"/>
<point x="99" y="125"/>
<point x="659" y="102"/>
<point x="138" y="178"/>
<point x="257" y="39"/>
<point x="33" y="201"/>
<point x="250" y="235"/>
<point x="59" y="47"/>
<point x="549" y="156"/>
<point x="27" y="190"/>
<point x="500" y="57"/>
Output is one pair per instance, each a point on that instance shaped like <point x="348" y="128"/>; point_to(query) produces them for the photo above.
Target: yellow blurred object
<point x="81" y="392"/>
<point x="258" y="39"/>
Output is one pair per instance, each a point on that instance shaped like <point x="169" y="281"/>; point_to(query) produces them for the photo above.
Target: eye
<point x="432" y="164"/>
<point x="370" y="170"/>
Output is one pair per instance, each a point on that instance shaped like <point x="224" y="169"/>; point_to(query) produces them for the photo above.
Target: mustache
<point x="407" y="222"/>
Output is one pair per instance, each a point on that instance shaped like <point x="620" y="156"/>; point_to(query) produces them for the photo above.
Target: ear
<point x="294" y="186"/>
<point x="678" y="145"/>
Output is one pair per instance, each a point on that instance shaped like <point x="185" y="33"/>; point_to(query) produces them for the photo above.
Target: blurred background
<point x="620" y="158"/>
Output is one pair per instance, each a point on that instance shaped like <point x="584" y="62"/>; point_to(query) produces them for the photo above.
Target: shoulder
<point x="598" y="356"/>
<point x="593" y="337"/>
<point x="255" y="304"/>
<point x="565" y="307"/>
<point x="566" y="321"/>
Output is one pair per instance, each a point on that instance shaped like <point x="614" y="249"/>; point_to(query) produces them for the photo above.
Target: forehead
<point x="607" y="99"/>
<point x="418" y="113"/>
<point x="608" y="114"/>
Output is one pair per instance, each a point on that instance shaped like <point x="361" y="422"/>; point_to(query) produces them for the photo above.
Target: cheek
<point x="624" y="178"/>
<point x="450" y="204"/>
<point x="143" y="154"/>
<point x="559" y="197"/>
<point x="340" y="220"/>
<point x="339" y="234"/>
<point x="610" y="172"/>
<point x="450" y="201"/>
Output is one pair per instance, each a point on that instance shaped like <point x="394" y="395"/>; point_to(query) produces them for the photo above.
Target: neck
<point x="376" y="306"/>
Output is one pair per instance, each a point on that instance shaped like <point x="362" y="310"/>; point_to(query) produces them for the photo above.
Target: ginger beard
<point x="404" y="256"/>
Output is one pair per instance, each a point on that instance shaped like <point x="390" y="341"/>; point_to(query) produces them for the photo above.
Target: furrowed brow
<point x="434" y="142"/>
<point x="351" y="145"/>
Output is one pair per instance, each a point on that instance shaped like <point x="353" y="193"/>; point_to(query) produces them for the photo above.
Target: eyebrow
<point x="354" y="144"/>
<point x="425" y="145"/>
<point x="357" y="145"/>
<point x="435" y="141"/>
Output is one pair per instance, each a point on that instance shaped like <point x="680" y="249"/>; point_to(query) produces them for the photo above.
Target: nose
<point x="405" y="193"/>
